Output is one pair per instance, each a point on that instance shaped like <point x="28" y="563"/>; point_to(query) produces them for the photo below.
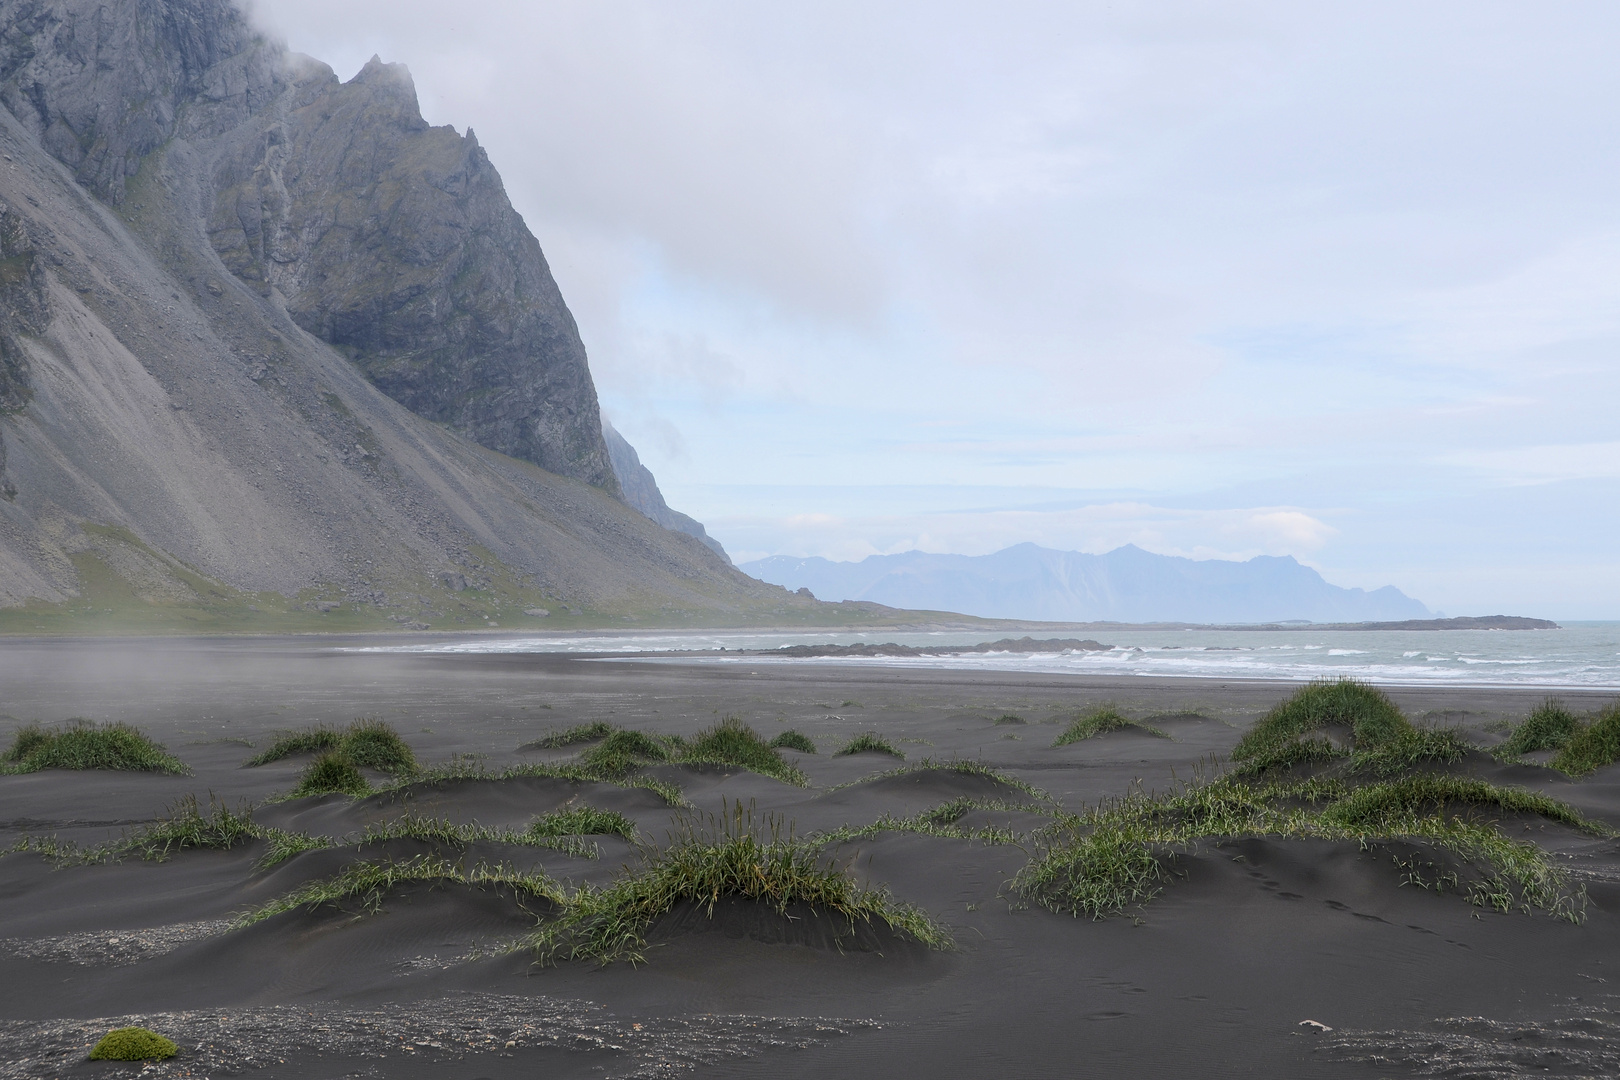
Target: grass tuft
<point x="732" y="742"/>
<point x="87" y="745"/>
<point x="1098" y="721"/>
<point x="1382" y="741"/>
<point x="622" y="752"/>
<point x="1593" y="746"/>
<point x="367" y="743"/>
<point x="556" y="740"/>
<point x="583" y="821"/>
<point x="332" y="772"/>
<point x="793" y="740"/>
<point x="1548" y="727"/>
<point x="869" y="742"/>
<point x="710" y="859"/>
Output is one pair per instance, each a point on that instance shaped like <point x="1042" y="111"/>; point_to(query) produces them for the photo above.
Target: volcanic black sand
<point x="1213" y="977"/>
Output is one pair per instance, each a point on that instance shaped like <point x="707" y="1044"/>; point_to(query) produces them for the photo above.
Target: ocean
<point x="1580" y="654"/>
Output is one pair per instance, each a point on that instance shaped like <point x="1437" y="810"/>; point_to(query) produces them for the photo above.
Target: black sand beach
<point x="1214" y="977"/>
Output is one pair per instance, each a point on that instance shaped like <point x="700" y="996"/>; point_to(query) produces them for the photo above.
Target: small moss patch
<point x="133" y="1044"/>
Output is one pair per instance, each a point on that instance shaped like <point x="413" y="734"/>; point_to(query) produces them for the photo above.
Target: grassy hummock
<point x="1103" y="719"/>
<point x="83" y="744"/>
<point x="596" y="729"/>
<point x="869" y="742"/>
<point x="367" y="743"/>
<point x="582" y="821"/>
<point x="793" y="740"/>
<point x="1592" y="746"/>
<point x="729" y="855"/>
<point x="133" y="1044"/>
<point x="1380" y="739"/>
<point x="732" y="742"/>
<point x="184" y="826"/>
<point x="334" y="772"/>
<point x="1548" y="727"/>
<point x="367" y="884"/>
<point x="1113" y="857"/>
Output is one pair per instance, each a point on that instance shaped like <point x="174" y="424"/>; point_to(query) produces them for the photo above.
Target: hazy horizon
<point x="1216" y="280"/>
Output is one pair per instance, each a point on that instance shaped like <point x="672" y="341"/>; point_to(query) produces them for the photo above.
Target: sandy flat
<point x="1213" y="978"/>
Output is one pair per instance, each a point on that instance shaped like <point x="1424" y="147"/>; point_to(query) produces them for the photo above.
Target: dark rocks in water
<point x="640" y="490"/>
<point x="1018" y="645"/>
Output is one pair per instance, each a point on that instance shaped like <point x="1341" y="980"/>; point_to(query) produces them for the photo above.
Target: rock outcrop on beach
<point x="265" y="331"/>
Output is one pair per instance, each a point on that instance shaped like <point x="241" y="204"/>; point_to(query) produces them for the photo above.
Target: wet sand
<point x="1213" y="978"/>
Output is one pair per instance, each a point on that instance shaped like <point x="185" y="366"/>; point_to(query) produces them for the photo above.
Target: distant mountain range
<point x="1125" y="585"/>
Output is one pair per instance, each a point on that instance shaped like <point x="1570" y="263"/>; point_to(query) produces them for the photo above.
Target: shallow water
<point x="1585" y="654"/>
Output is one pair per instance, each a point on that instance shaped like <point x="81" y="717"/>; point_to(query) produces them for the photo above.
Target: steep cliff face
<point x="641" y="492"/>
<point x="178" y="428"/>
<point x="395" y="241"/>
<point x="390" y="239"/>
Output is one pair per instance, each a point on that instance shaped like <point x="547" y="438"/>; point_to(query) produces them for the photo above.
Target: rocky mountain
<point x="1124" y="585"/>
<point x="270" y="343"/>
<point x="641" y="491"/>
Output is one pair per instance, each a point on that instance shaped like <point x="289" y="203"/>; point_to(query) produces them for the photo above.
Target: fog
<point x="1216" y="279"/>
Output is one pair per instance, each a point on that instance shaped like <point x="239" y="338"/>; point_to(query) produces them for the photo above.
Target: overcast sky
<point x="1335" y="281"/>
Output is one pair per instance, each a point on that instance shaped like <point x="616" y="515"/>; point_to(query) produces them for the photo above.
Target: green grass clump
<point x="732" y="742"/>
<point x="1367" y="711"/>
<point x="133" y="1044"/>
<point x="597" y="729"/>
<point x="1382" y="740"/>
<point x="583" y="821"/>
<point x="869" y="741"/>
<point x="1382" y="806"/>
<point x="1593" y="746"/>
<point x="311" y="740"/>
<point x="623" y="752"/>
<point x="367" y="743"/>
<point x="87" y="745"/>
<point x="1009" y="718"/>
<point x="793" y="740"/>
<point x="942" y="820"/>
<point x="331" y="773"/>
<point x="1548" y="727"/>
<point x="1101" y="720"/>
<point x="442" y="831"/>
<point x="731" y="855"/>
<point x="186" y="825"/>
<point x="367" y="884"/>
